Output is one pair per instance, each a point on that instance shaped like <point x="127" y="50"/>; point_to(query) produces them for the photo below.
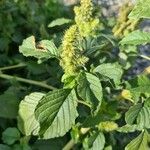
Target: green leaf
<point x="90" y="89"/>
<point x="128" y="128"/>
<point x="136" y="38"/>
<point x="50" y="47"/>
<point x="26" y="120"/>
<point x="112" y="71"/>
<point x="141" y="89"/>
<point x="132" y="113"/>
<point x="94" y="141"/>
<point x="4" y="147"/>
<point x="140" y="114"/>
<point x="139" y="143"/>
<point x="43" y="50"/>
<point x="57" y="112"/>
<point x="143" y="119"/>
<point x="59" y="22"/>
<point x="10" y="135"/>
<point x="137" y="86"/>
<point x="141" y="10"/>
<point x="108" y="147"/>
<point x="8" y="105"/>
<point x="69" y="81"/>
<point x="99" y="142"/>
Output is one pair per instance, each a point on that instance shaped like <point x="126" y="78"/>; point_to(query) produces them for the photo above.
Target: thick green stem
<point x="38" y="83"/>
<point x="13" y="67"/>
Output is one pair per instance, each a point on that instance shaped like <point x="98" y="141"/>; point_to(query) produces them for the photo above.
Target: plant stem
<point x="38" y="83"/>
<point x="146" y="57"/>
<point x="69" y="145"/>
<point x="13" y="67"/>
<point x="84" y="103"/>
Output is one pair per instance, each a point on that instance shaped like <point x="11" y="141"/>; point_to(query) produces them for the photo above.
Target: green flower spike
<point x="124" y="25"/>
<point x="84" y="18"/>
<point x="71" y="57"/>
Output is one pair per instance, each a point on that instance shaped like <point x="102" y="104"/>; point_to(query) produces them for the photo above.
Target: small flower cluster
<point x="72" y="57"/>
<point x="124" y="25"/>
<point x="126" y="94"/>
<point x="108" y="126"/>
<point x="84" y="19"/>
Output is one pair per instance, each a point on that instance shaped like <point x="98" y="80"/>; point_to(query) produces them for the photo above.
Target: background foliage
<point x="42" y="107"/>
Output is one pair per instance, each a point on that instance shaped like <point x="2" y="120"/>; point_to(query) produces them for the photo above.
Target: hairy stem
<point x="38" y="83"/>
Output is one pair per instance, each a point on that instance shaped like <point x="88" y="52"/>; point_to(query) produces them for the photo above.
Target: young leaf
<point x="138" y="85"/>
<point x="112" y="71"/>
<point x="128" y="128"/>
<point x="136" y="38"/>
<point x="45" y="49"/>
<point x="143" y="119"/>
<point x="26" y="120"/>
<point x="99" y="142"/>
<point x="57" y="112"/>
<point x="59" y="22"/>
<point x="10" y="135"/>
<point x="139" y="114"/>
<point x="139" y="143"/>
<point x="94" y="141"/>
<point x="132" y="113"/>
<point x="90" y="90"/>
<point x="141" y="10"/>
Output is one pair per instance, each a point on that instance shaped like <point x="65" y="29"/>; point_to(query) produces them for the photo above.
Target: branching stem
<point x="29" y="81"/>
<point x="13" y="67"/>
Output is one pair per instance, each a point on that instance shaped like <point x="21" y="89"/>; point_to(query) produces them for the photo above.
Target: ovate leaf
<point x="139" y="114"/>
<point x="26" y="120"/>
<point x="57" y="112"/>
<point x="10" y="135"/>
<point x="143" y="119"/>
<point x="137" y="86"/>
<point x="141" y="10"/>
<point x="136" y="38"/>
<point x="94" y="141"/>
<point x="132" y="113"/>
<point x="89" y="89"/>
<point x="112" y="71"/>
<point x="139" y="143"/>
<point x="99" y="142"/>
<point x="59" y="22"/>
<point x="128" y="128"/>
<point x="43" y="50"/>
